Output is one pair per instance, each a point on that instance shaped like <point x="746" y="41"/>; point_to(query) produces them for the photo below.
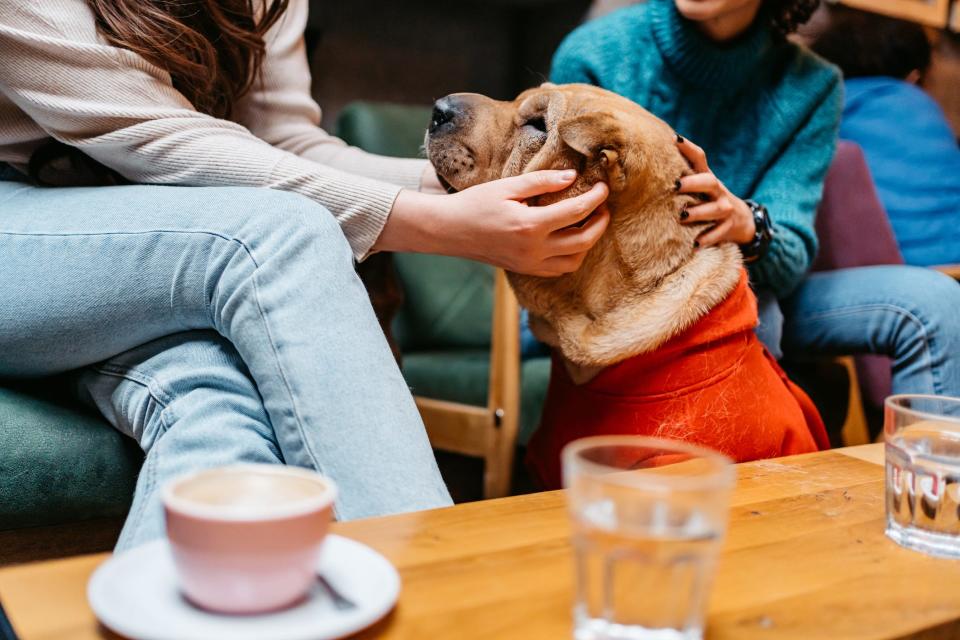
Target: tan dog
<point x="654" y="335"/>
<point x="643" y="282"/>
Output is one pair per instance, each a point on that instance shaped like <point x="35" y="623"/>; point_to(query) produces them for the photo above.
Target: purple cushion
<point x="852" y="225"/>
<point x="854" y="231"/>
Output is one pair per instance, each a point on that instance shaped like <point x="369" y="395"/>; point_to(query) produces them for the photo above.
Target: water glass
<point x="922" y="442"/>
<point x="649" y="516"/>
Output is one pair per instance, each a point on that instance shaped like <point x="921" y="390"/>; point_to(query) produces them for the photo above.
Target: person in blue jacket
<point x="910" y="148"/>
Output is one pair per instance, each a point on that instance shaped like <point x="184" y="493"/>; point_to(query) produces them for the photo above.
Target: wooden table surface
<point x="805" y="558"/>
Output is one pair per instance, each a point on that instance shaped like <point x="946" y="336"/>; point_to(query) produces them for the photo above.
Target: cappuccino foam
<point x="248" y="489"/>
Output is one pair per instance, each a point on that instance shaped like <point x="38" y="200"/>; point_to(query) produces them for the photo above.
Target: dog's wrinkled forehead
<point x="545" y="99"/>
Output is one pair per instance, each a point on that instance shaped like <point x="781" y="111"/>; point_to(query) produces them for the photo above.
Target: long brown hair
<point x="212" y="49"/>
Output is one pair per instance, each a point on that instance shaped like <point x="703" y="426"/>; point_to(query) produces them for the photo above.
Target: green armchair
<point x="457" y="329"/>
<point x="66" y="476"/>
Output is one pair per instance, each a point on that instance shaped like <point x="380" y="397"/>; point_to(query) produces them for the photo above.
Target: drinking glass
<point x="922" y="442"/>
<point x="649" y="516"/>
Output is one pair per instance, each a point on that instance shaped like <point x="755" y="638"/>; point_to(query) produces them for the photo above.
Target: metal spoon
<point x="340" y="601"/>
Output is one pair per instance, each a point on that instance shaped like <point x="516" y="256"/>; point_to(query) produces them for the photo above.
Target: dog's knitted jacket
<point x="713" y="384"/>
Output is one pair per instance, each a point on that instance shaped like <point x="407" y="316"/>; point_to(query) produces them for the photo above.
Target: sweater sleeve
<point x="791" y="190"/>
<point x="124" y="112"/>
<point x="280" y="110"/>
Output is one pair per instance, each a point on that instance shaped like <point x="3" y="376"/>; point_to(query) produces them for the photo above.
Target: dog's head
<point x="474" y="139"/>
<point x="605" y="137"/>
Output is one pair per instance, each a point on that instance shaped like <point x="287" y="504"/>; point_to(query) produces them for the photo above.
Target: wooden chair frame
<point x="488" y="432"/>
<point x="932" y="13"/>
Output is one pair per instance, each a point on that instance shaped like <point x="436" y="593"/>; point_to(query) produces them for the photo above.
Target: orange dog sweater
<point x="713" y="384"/>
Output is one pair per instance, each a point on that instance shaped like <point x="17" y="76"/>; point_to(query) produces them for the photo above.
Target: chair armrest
<point x="952" y="270"/>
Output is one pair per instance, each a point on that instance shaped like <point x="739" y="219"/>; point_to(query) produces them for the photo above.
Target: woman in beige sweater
<point x="207" y="298"/>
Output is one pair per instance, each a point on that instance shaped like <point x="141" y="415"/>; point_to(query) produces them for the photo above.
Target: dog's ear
<point x="599" y="138"/>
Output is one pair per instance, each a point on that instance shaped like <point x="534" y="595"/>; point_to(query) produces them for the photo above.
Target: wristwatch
<point x="756" y="248"/>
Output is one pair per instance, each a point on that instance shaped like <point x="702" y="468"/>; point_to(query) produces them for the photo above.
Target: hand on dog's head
<point x="605" y="137"/>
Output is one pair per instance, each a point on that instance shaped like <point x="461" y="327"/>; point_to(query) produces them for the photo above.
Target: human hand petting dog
<point x="492" y="223"/>
<point x="731" y="217"/>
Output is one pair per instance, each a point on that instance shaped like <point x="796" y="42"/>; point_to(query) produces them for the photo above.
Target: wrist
<point x="746" y="230"/>
<point x="757" y="246"/>
<point x="414" y="224"/>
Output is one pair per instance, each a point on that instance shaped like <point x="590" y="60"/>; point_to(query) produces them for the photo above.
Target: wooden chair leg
<point x="498" y="473"/>
<point x="504" y="396"/>
<point x="855" y="430"/>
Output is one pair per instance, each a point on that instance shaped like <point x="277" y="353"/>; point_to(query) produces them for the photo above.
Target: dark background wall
<point x="415" y="51"/>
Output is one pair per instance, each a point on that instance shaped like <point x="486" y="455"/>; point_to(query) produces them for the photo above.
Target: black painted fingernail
<point x="696" y="244"/>
<point x="684" y="214"/>
<point x="676" y="185"/>
<point x="679" y="139"/>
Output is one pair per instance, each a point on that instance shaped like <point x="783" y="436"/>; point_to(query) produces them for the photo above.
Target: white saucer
<point x="136" y="595"/>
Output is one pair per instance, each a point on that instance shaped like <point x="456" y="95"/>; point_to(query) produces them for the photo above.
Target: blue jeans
<point x="911" y="314"/>
<point x="213" y="325"/>
<point x="907" y="313"/>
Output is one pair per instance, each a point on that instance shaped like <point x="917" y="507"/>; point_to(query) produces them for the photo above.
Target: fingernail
<point x="679" y="139"/>
<point x="676" y="185"/>
<point x="684" y="214"/>
<point x="696" y="244"/>
<point x="569" y="174"/>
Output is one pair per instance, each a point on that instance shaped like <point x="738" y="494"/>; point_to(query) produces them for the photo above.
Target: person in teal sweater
<point x="764" y="114"/>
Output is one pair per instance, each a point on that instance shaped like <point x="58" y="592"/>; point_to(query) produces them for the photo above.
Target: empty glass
<point x="649" y="516"/>
<point x="922" y="436"/>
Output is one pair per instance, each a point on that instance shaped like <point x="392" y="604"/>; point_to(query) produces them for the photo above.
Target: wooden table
<point x="805" y="558"/>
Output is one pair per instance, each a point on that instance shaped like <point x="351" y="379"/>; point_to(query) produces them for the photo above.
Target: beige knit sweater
<point x="59" y="79"/>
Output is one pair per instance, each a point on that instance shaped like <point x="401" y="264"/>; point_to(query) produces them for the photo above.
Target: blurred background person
<point x="905" y="136"/>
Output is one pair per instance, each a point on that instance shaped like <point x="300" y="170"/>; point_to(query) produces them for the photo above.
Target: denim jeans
<point x="911" y="314"/>
<point x="907" y="313"/>
<point x="213" y="325"/>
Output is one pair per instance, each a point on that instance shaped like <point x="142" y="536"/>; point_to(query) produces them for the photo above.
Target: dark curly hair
<point x="784" y="16"/>
<point x="868" y="44"/>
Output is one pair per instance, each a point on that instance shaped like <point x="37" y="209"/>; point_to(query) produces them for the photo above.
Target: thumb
<point x="535" y="183"/>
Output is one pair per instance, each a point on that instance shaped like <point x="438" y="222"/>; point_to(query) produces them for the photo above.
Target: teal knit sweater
<point x="765" y="111"/>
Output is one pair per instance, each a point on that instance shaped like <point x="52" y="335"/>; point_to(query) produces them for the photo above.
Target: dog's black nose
<point x="444" y="112"/>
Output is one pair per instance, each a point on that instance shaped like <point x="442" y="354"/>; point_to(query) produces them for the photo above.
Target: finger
<point x="570" y="211"/>
<point x="701" y="183"/>
<point x="535" y="183"/>
<point x="558" y="265"/>
<point x="694" y="154"/>
<point x="714" y="211"/>
<point x="716" y="235"/>
<point x="580" y="239"/>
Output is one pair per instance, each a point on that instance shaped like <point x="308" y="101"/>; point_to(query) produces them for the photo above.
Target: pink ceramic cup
<point x="246" y="538"/>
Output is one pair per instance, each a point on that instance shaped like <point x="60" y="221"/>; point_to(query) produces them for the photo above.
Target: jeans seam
<point x="214" y="234"/>
<point x="904" y="313"/>
<point x="153" y="389"/>
<point x="273" y="348"/>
